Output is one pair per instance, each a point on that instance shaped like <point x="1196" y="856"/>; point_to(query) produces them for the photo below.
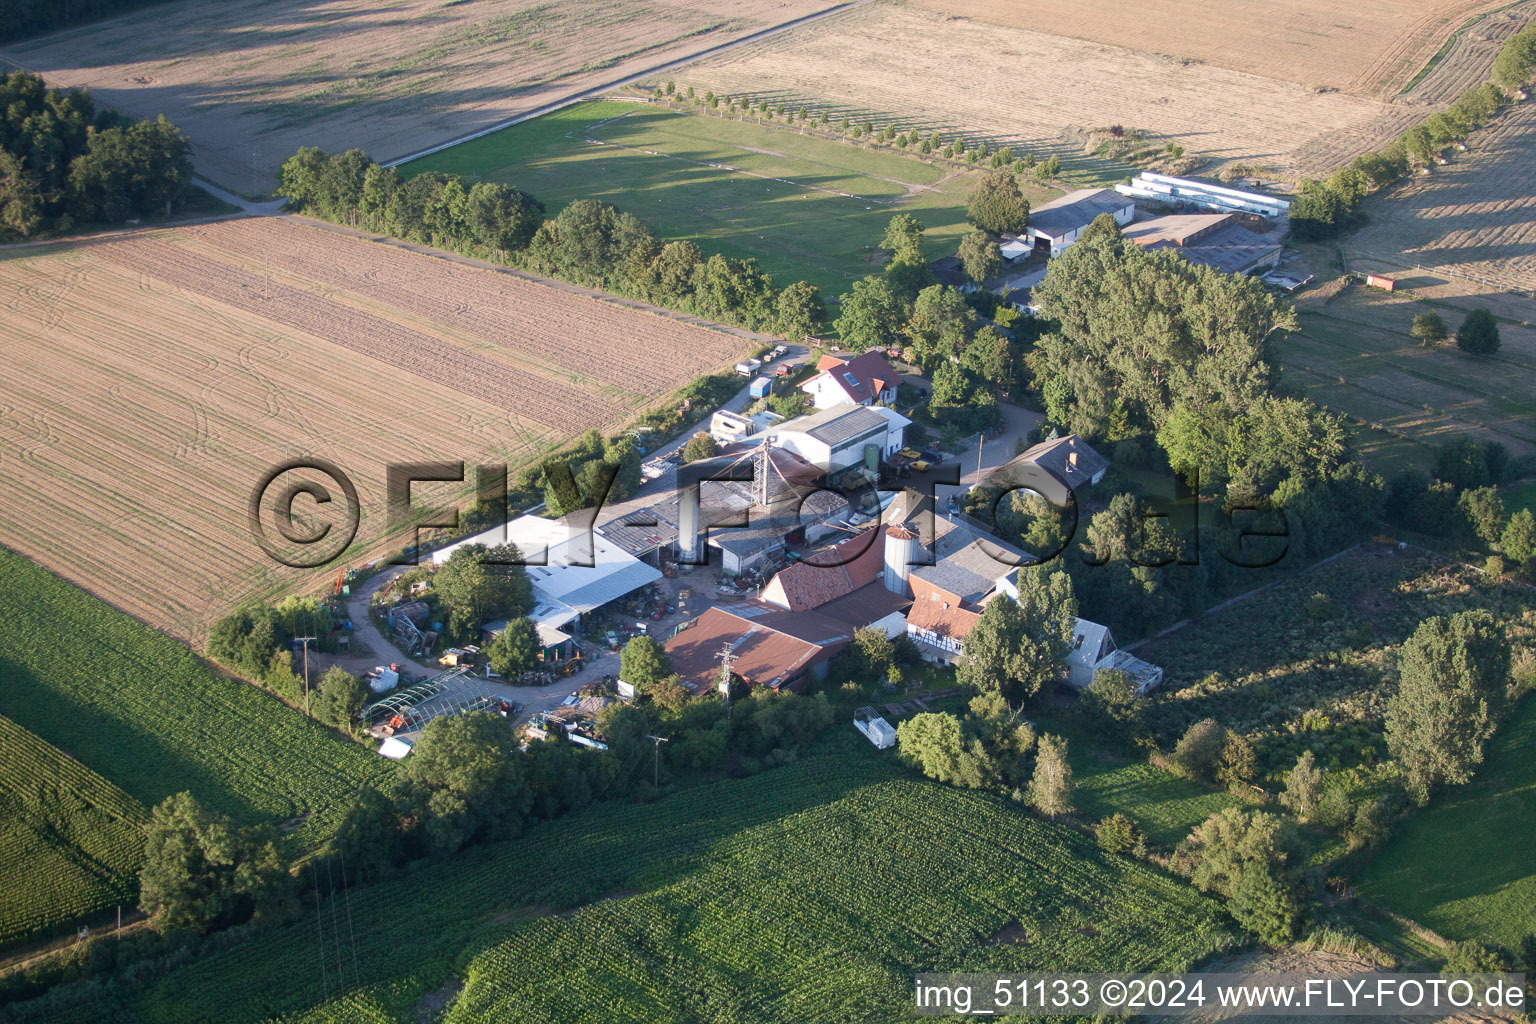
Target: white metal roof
<point x="1087" y="642"/>
<point x="573" y="570"/>
<point x="1016" y="248"/>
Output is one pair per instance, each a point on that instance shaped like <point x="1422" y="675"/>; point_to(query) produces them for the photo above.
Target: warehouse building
<point x="1217" y="240"/>
<point x="1181" y="192"/>
<point x="573" y="570"/>
<point x="1055" y="225"/>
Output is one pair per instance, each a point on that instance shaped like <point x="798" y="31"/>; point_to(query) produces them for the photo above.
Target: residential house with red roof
<point x="861" y="380"/>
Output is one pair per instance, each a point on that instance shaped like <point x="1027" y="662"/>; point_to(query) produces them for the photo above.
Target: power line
<point x="346" y="892"/>
<point x="656" y="775"/>
<point x="325" y="984"/>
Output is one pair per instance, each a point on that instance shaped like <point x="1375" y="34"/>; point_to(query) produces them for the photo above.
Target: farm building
<point x="950" y="566"/>
<point x="949" y="271"/>
<point x="1016" y="248"/>
<point x="862" y="380"/>
<point x="840" y="437"/>
<point x="771" y="647"/>
<point x="1055" y="225"/>
<point x="1203" y="195"/>
<point x="1069" y="459"/>
<point x="1093" y="649"/>
<point x="807" y="613"/>
<point x="1214" y="239"/>
<point x="574" y="570"/>
<point x="719" y="504"/>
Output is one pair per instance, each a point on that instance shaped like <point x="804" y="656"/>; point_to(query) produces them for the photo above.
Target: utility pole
<point x="306" y="640"/>
<point x="981" y="439"/>
<point x="656" y="775"/>
<point x="727" y="658"/>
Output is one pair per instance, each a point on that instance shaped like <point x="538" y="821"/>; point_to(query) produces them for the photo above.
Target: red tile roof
<point x="939" y="611"/>
<point x="828" y="576"/>
<point x="870" y="372"/>
<point x="763" y="655"/>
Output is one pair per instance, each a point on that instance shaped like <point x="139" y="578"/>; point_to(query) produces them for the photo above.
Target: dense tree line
<point x="24" y="18"/>
<point x="1459" y="501"/>
<point x="467" y="781"/>
<point x="1157" y="358"/>
<point x="63" y="163"/>
<point x="588" y="242"/>
<point x="936" y="326"/>
<point x="1515" y="65"/>
<point x="1325" y="208"/>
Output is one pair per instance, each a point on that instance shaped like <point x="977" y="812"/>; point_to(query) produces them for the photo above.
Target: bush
<point x="700" y="446"/>
<point x="1200" y="749"/>
<point x="1117" y="834"/>
<point x="1479" y="333"/>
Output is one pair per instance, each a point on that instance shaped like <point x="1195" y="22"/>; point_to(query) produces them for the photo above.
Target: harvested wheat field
<point x="1468" y="58"/>
<point x="1043" y="92"/>
<point x="1474" y="218"/>
<point x="251" y="82"/>
<point x="1367" y="47"/>
<point x="152" y="379"/>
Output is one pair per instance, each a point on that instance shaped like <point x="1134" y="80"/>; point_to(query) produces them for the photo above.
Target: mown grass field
<point x="805" y="207"/>
<point x="70" y="842"/>
<point x="1427" y="873"/>
<point x="140" y="710"/>
<point x="1355" y="355"/>
<point x="809" y="892"/>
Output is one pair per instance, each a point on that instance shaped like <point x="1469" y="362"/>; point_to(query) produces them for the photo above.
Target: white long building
<point x="1204" y="195"/>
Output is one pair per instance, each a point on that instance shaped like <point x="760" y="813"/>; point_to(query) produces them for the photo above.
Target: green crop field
<point x="805" y="207"/>
<point x="70" y="841"/>
<point x="1484" y="829"/>
<point x="809" y="892"/>
<point x="139" y="709"/>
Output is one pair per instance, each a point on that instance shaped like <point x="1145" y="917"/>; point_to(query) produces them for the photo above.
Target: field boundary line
<point x="596" y="91"/>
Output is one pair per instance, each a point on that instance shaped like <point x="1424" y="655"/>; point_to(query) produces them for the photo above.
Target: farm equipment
<point x="344" y="580"/>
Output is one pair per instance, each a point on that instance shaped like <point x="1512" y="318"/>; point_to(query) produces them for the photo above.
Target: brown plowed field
<point x="251" y="82"/>
<point x="1041" y="91"/>
<point x="151" y="380"/>
<point x="1368" y="47"/>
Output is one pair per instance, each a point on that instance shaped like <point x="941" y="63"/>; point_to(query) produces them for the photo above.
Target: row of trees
<point x="467" y="782"/>
<point x="30" y="17"/>
<point x="928" y="143"/>
<point x="63" y="163"/>
<point x="588" y="242"/>
<point x="1325" y="208"/>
